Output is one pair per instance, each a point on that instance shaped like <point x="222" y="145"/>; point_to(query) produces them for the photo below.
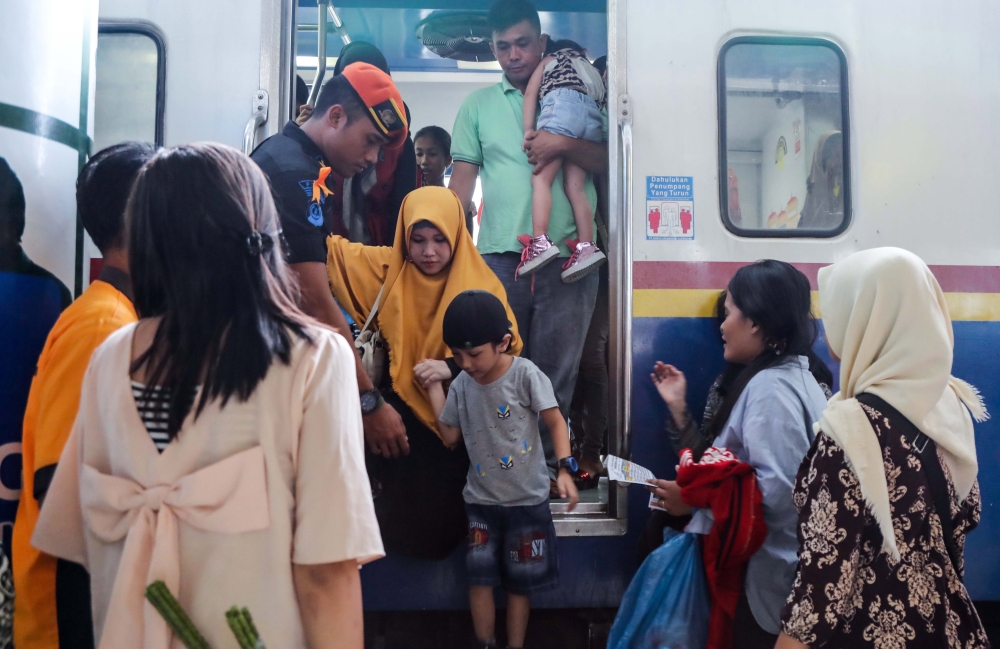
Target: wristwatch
<point x="371" y="400"/>
<point x="569" y="463"/>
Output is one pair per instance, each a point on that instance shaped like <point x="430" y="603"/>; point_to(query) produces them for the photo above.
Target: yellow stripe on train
<point x="700" y="303"/>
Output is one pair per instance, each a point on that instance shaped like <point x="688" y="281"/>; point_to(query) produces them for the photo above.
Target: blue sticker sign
<point x="670" y="207"/>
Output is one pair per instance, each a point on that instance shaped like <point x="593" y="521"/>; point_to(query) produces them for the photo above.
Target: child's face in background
<point x="485" y="363"/>
<point x="432" y="160"/>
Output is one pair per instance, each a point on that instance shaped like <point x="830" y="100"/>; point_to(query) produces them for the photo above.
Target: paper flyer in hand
<point x="624" y="471"/>
<point x="655" y="503"/>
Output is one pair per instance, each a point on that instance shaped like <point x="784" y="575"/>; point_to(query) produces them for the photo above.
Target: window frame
<point x="753" y="233"/>
<point x="150" y="31"/>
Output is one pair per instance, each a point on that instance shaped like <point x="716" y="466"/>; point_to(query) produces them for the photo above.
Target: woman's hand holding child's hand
<point x="567" y="488"/>
<point x="670" y="382"/>
<point x="669" y="495"/>
<point x="431" y="371"/>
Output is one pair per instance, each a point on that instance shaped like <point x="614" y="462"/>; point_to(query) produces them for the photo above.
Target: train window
<point x="131" y="75"/>
<point x="783" y="137"/>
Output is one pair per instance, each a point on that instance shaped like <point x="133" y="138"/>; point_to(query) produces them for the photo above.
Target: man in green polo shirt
<point x="552" y="316"/>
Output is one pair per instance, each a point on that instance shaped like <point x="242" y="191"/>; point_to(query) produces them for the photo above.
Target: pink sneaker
<point x="537" y="252"/>
<point x="587" y="257"/>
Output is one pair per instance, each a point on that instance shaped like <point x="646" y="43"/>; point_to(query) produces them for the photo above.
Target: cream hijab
<point x="886" y="318"/>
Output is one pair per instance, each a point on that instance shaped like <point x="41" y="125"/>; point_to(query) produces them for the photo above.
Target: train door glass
<point x="130" y="80"/>
<point x="784" y="137"/>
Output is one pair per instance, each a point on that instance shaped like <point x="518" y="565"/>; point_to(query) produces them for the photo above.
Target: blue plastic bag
<point x="667" y="604"/>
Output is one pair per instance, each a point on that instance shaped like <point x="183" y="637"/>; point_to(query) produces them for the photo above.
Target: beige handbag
<point x="371" y="346"/>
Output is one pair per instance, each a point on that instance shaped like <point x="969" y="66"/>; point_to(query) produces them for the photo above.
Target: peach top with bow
<point x="221" y="515"/>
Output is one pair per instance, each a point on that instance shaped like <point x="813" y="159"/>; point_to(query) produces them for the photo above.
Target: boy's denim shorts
<point x="571" y="113"/>
<point x="512" y="546"/>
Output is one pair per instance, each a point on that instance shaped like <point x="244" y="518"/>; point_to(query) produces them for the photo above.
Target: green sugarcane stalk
<point x="242" y="626"/>
<point x="165" y="603"/>
<point x="253" y="628"/>
<point x="161" y="602"/>
<point x="170" y="609"/>
<point x="242" y="636"/>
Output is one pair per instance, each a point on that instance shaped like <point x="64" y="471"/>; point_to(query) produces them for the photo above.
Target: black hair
<point x="601" y="64"/>
<point x="301" y="91"/>
<point x="776" y="297"/>
<point x="438" y="134"/>
<point x="103" y="187"/>
<point x="423" y="225"/>
<point x="507" y="13"/>
<point x="564" y="44"/>
<point x="360" y="52"/>
<point x="12" y="205"/>
<point x="339" y="91"/>
<point x="204" y="255"/>
<point x="819" y="370"/>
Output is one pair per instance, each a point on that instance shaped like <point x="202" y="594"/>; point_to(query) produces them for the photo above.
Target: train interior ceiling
<point x="432" y="86"/>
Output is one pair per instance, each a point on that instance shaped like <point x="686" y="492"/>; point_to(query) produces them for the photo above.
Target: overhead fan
<point x="459" y="35"/>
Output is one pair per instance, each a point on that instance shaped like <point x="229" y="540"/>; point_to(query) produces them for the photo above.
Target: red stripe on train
<point x="716" y="275"/>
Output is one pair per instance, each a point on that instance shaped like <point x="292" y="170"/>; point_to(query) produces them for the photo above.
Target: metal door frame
<point x="620" y="111"/>
<point x="277" y="62"/>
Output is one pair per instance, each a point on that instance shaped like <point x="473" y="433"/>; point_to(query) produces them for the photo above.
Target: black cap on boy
<point x="474" y="318"/>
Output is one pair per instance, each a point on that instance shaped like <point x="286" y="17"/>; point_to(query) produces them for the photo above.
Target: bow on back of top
<point x="228" y="497"/>
<point x="413" y="304"/>
<point x="886" y="318"/>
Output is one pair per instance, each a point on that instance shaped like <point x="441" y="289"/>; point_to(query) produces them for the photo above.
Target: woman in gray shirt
<point x="765" y="419"/>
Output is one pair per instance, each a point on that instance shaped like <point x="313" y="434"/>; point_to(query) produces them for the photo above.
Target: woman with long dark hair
<point x="219" y="442"/>
<point x="671" y="383"/>
<point x="765" y="420"/>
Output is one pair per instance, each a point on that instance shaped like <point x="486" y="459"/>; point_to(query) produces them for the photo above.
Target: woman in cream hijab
<point x="418" y="497"/>
<point x="875" y="569"/>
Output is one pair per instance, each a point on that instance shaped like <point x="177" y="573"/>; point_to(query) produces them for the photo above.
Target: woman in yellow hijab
<point x="418" y="498"/>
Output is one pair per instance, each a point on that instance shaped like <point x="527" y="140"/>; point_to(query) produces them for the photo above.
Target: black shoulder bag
<point x="927" y="450"/>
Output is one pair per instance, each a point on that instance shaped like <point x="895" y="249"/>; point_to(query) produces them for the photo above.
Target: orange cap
<point x="381" y="98"/>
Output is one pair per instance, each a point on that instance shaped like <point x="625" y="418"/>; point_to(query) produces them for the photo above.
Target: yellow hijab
<point x="413" y="304"/>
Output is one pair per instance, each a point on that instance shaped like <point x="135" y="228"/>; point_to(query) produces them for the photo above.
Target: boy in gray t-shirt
<point x="494" y="405"/>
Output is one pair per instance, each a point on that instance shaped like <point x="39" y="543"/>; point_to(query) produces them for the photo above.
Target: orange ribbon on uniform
<point x="319" y="185"/>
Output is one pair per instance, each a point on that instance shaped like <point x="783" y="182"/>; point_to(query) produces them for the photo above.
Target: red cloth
<point x="728" y="487"/>
<point x="380" y="211"/>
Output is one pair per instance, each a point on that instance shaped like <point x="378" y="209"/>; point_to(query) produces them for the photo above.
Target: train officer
<point x="357" y="113"/>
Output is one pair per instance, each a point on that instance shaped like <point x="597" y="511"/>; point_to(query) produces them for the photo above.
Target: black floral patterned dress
<point x="847" y="591"/>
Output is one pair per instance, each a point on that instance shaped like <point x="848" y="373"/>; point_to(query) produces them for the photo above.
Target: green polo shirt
<point x="488" y="133"/>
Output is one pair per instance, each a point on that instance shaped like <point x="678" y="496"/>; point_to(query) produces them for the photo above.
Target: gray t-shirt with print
<point x="499" y="423"/>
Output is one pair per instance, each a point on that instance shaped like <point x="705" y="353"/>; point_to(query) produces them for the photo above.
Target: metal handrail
<point x="324" y="7"/>
<point x="338" y="24"/>
<point x="625" y="126"/>
<point x="250" y="133"/>
<point x="260" y="103"/>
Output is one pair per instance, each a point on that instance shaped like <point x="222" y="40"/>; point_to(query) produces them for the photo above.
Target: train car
<point x="738" y="131"/>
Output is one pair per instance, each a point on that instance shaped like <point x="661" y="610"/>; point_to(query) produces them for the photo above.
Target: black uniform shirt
<point x="293" y="163"/>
